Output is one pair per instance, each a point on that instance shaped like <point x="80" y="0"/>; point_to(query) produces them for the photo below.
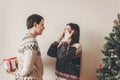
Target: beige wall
<point x="94" y="17"/>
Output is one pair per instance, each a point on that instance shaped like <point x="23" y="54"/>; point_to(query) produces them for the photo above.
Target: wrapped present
<point x="10" y="63"/>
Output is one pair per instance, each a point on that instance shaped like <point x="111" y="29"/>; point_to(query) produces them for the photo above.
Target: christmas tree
<point x="110" y="67"/>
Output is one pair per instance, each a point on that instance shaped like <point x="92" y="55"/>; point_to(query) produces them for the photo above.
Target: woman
<point x="67" y="50"/>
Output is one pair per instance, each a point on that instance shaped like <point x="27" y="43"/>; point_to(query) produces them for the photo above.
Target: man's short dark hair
<point x="33" y="18"/>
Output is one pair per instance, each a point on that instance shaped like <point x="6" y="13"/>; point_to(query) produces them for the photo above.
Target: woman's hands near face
<point x="61" y="37"/>
<point x="68" y="34"/>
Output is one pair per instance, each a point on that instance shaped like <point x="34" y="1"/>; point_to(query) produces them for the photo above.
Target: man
<point x="30" y="65"/>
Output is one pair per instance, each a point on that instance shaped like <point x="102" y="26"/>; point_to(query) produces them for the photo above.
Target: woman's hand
<point x="68" y="34"/>
<point x="61" y="37"/>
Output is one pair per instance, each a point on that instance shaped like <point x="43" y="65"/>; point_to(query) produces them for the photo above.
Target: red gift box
<point x="10" y="63"/>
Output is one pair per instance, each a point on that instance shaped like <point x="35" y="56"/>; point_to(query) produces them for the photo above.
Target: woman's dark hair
<point x="33" y="18"/>
<point x="76" y="35"/>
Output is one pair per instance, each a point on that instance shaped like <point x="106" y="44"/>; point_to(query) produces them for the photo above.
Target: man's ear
<point x="35" y="24"/>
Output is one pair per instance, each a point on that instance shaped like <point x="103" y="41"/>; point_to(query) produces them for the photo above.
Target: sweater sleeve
<point x="28" y="58"/>
<point x="52" y="51"/>
<point x="64" y="52"/>
<point x="28" y="63"/>
<point x="39" y="65"/>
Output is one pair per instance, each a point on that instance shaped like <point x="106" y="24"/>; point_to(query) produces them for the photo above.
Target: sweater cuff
<point x="64" y="43"/>
<point x="55" y="43"/>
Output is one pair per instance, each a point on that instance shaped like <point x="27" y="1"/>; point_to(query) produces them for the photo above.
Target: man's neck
<point x="32" y="32"/>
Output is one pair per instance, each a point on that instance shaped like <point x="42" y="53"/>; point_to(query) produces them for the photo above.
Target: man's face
<point x="40" y="27"/>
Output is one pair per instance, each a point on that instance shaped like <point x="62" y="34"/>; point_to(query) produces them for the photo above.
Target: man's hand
<point x="12" y="72"/>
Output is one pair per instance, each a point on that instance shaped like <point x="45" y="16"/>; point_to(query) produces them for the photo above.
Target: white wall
<point x="95" y="18"/>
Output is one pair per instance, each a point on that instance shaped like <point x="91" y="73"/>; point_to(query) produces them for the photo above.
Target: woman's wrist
<point x="65" y="39"/>
<point x="59" y="40"/>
